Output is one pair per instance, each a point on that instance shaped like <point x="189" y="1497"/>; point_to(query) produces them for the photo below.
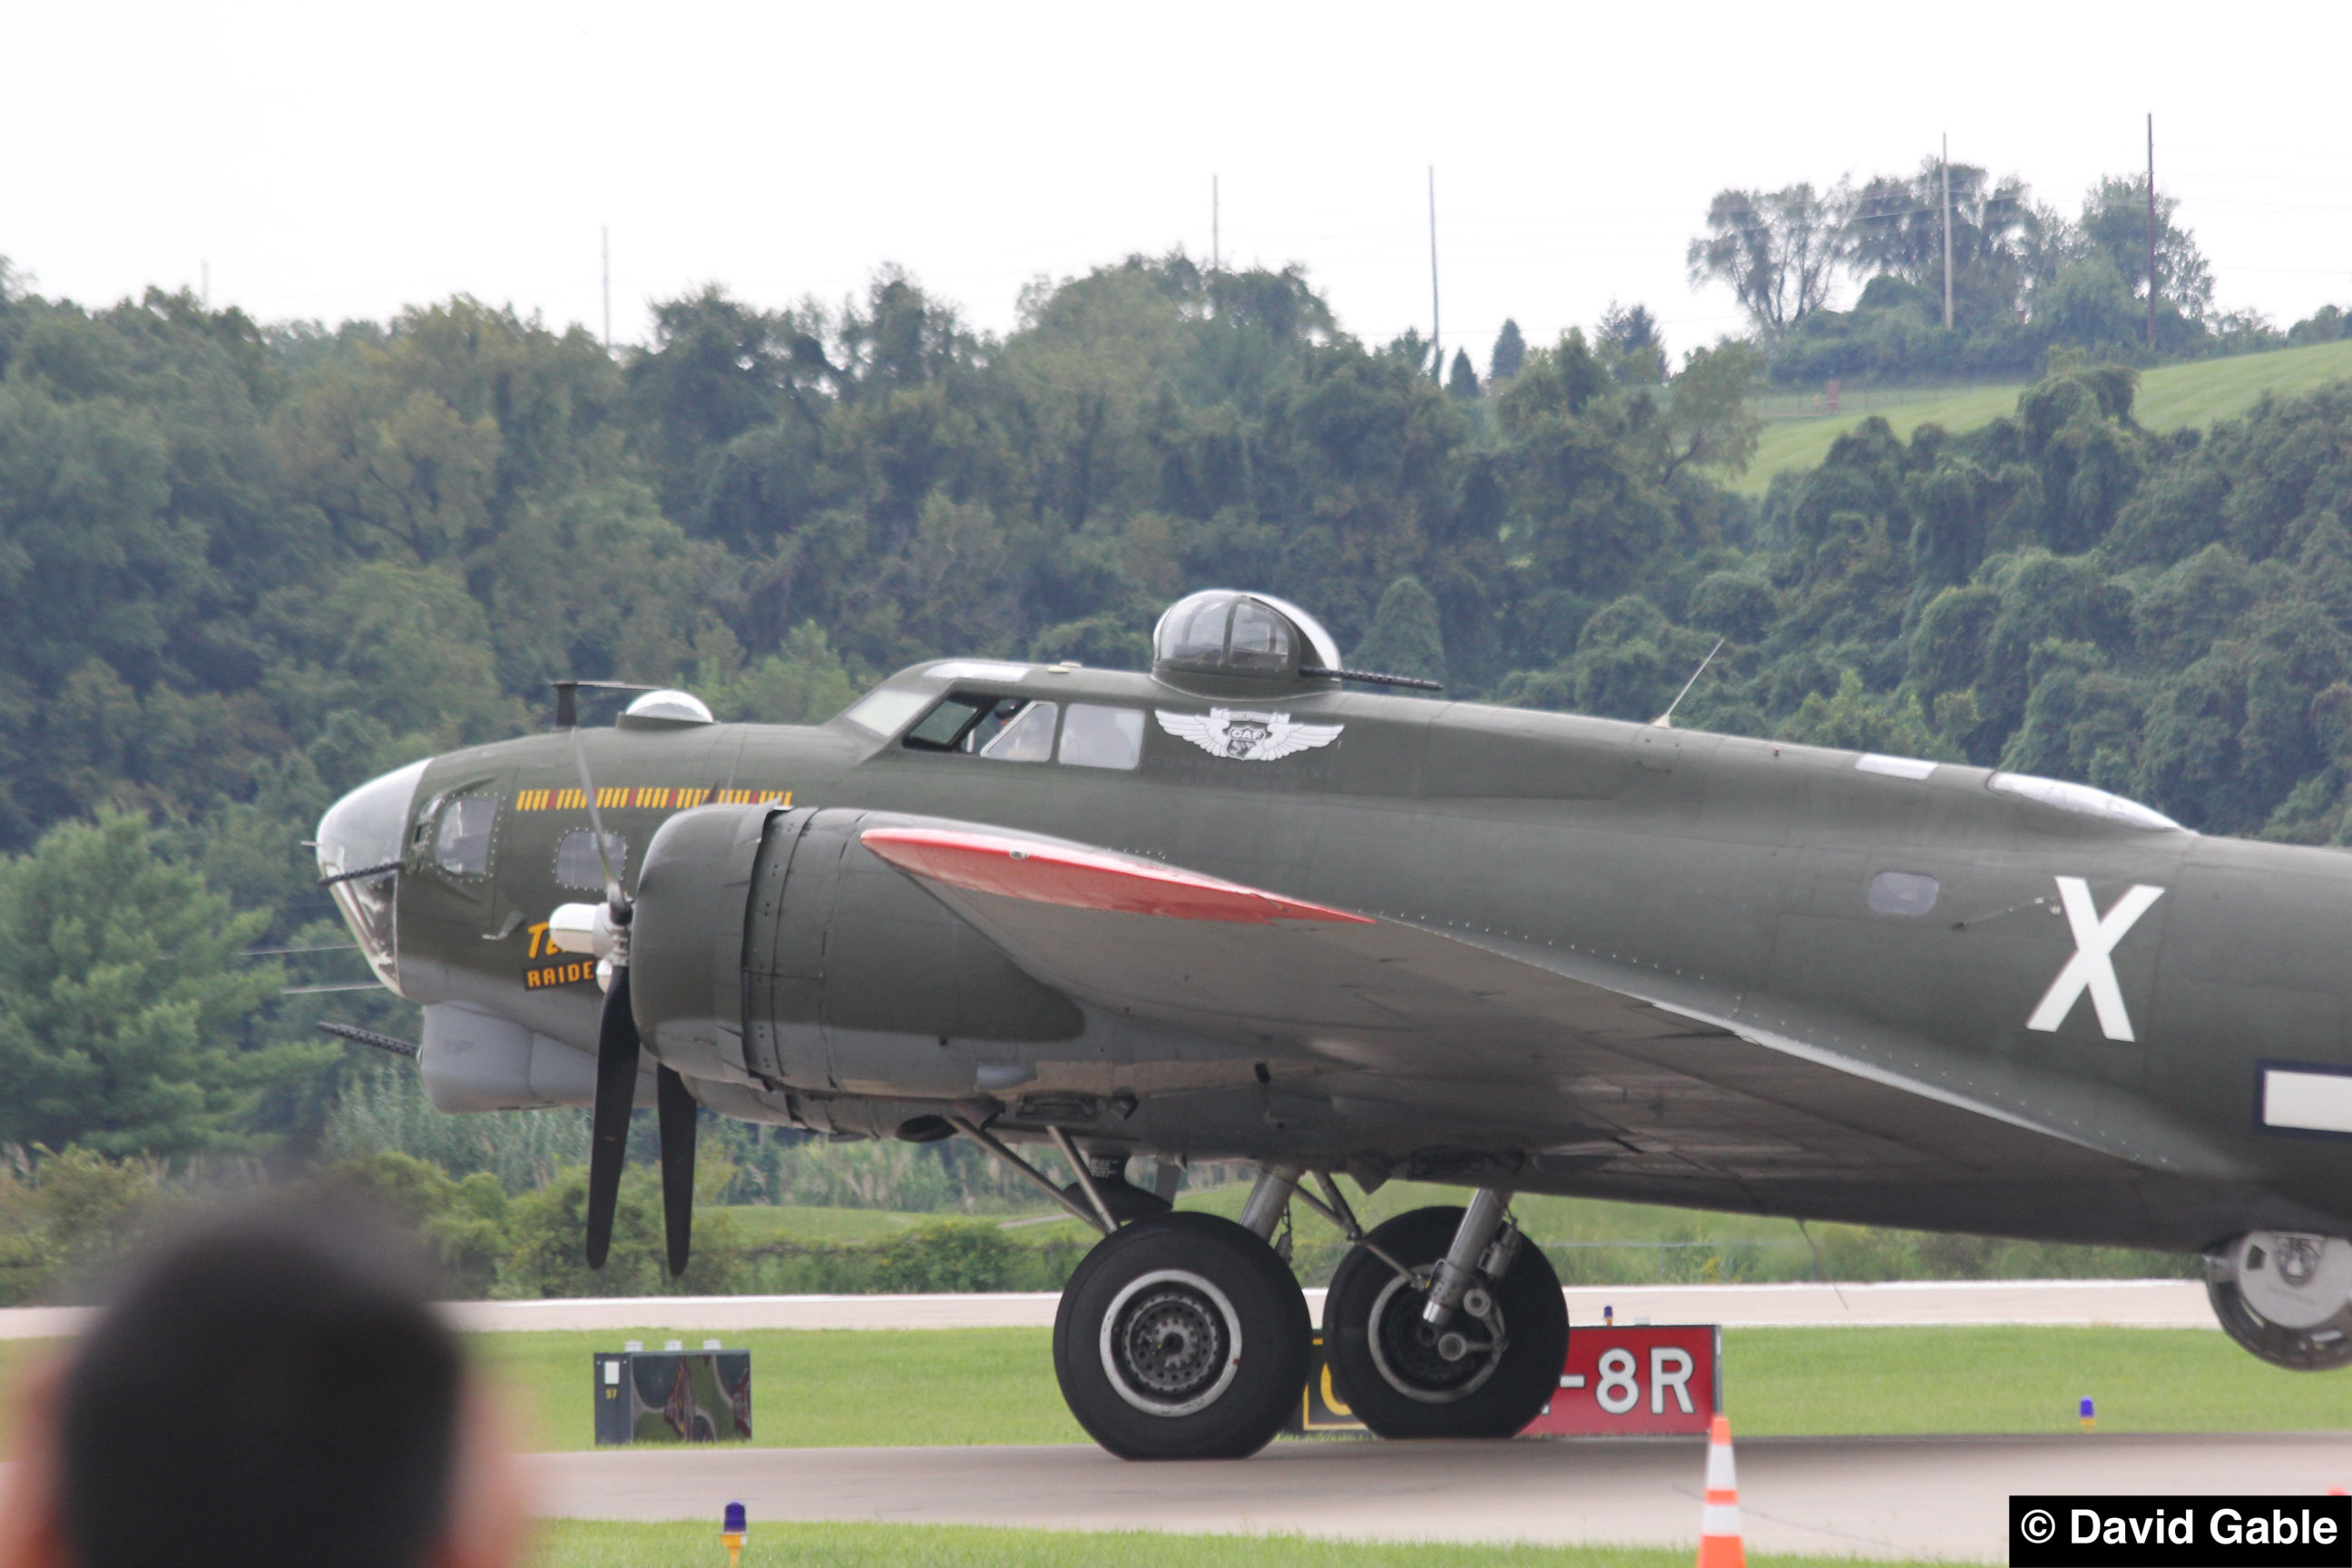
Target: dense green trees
<point x="124" y="1002"/>
<point x="251" y="567"/>
<point x="2025" y="278"/>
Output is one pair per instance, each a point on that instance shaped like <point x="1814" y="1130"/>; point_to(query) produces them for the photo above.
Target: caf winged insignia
<point x="1245" y="736"/>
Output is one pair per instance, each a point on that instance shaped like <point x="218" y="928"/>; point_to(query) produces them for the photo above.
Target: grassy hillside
<point x="2170" y="398"/>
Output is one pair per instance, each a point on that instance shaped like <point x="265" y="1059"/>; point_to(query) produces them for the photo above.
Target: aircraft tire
<point x="1385" y="1363"/>
<point x="1181" y="1336"/>
<point x="2286" y="1297"/>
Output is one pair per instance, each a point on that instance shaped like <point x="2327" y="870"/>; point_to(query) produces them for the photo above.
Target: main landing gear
<point x="1185" y="1336"/>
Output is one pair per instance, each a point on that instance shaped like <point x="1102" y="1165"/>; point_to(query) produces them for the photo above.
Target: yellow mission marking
<point x="648" y="797"/>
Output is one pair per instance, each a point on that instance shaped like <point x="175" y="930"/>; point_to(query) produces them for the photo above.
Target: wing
<point x="1286" y="738"/>
<point x="1203" y="730"/>
<point x="1403" y="1039"/>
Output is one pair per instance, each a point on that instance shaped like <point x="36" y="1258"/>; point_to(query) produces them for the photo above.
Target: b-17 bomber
<point x="1254" y="906"/>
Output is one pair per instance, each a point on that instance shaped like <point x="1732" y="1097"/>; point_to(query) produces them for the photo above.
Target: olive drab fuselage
<point x="2114" y="988"/>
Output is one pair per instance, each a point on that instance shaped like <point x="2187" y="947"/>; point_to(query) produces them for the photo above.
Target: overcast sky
<point x="338" y="159"/>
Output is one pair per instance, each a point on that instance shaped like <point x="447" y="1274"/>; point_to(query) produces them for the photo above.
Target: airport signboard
<point x="1636" y="1380"/>
<point x="1623" y="1380"/>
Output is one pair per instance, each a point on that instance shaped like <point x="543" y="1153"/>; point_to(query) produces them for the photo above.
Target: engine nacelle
<point x="771" y="948"/>
<point x="2286" y="1297"/>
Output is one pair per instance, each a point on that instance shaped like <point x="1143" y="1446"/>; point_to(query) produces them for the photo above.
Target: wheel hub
<point x="1170" y="1342"/>
<point x="1421" y="1363"/>
<point x="2293" y="1281"/>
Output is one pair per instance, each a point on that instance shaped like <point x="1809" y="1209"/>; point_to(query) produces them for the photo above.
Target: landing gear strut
<point x="1467" y="1342"/>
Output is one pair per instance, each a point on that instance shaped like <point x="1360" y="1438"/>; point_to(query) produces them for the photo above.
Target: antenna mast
<point x="1947" y="232"/>
<point x="1437" y="336"/>
<point x="2151" y="232"/>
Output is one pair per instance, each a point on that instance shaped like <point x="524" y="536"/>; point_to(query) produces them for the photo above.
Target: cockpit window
<point x="943" y="729"/>
<point x="461" y="840"/>
<point x="1027" y="738"/>
<point x="576" y="865"/>
<point x="1002" y="729"/>
<point x="881" y="713"/>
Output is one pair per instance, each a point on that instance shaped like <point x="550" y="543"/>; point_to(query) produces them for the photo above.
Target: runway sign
<point x="1636" y="1380"/>
<point x="1620" y="1381"/>
<point x="673" y="1397"/>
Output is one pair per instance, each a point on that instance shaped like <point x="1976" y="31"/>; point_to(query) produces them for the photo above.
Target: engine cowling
<point x="771" y="948"/>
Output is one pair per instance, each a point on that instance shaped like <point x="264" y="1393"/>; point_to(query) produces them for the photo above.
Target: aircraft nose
<point x="359" y="857"/>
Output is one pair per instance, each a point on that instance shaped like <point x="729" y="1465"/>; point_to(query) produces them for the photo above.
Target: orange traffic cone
<point x="1719" y="1522"/>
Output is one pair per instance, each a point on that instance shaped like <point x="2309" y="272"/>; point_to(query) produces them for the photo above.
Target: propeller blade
<point x="675" y="1109"/>
<point x="612" y="896"/>
<point x="617" y="1048"/>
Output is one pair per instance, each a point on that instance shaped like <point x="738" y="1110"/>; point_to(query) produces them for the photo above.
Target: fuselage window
<point x="1027" y="737"/>
<point x="461" y="844"/>
<point x="1094" y="737"/>
<point x="576" y="865"/>
<point x="1903" y="893"/>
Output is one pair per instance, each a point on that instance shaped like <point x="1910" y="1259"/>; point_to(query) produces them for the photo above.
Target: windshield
<point x="362" y="833"/>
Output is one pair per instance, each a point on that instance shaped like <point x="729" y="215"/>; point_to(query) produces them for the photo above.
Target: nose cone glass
<point x="362" y="833"/>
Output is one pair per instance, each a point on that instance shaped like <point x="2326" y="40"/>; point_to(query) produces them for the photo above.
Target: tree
<point x="1462" y="381"/>
<point x="1777" y="250"/>
<point x="2114" y="228"/>
<point x="1898" y="228"/>
<point x="1632" y="344"/>
<point x="1509" y="351"/>
<point x="1708" y="420"/>
<point x="122" y="999"/>
<point x="1406" y="637"/>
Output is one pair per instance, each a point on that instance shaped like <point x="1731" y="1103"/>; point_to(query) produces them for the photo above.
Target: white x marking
<point x="2090" y="968"/>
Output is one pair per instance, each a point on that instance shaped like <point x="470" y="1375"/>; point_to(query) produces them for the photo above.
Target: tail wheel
<point x="2286" y="1297"/>
<point x="1181" y="1336"/>
<point x="1485" y="1376"/>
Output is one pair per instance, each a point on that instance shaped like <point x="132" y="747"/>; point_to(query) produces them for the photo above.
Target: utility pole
<point x="1436" y="338"/>
<point x="1216" y="222"/>
<point x="1947" y="231"/>
<point x="2151" y="232"/>
<point x="608" y="290"/>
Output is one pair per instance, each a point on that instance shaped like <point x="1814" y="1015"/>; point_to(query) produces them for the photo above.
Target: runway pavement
<point x="1904" y="1497"/>
<point x="2135" y="1303"/>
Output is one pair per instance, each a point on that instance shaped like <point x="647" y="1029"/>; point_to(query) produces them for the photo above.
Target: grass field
<point x="2170" y="398"/>
<point x="872" y="1389"/>
<point x="575" y="1544"/>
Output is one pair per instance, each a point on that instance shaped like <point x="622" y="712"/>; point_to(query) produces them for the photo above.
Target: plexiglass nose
<point x="358" y="849"/>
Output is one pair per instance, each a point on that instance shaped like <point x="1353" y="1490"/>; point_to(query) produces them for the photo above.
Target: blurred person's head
<point x="273" y="1390"/>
